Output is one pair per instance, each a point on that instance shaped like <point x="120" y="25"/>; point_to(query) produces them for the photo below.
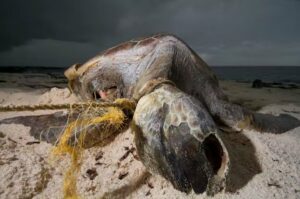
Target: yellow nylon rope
<point x="109" y="116"/>
<point x="62" y="106"/>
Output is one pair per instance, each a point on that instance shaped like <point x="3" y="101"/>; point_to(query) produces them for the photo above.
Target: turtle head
<point x="93" y="82"/>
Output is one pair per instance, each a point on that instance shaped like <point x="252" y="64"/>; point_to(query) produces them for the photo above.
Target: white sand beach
<point x="263" y="165"/>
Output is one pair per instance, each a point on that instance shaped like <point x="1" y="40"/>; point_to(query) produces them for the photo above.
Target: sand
<point x="263" y="165"/>
<point x="255" y="98"/>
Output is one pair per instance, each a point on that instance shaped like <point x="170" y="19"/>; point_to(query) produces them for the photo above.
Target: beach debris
<point x="91" y="188"/>
<point x="2" y="135"/>
<point x="257" y="83"/>
<point x="91" y="173"/>
<point x="150" y="185"/>
<point x="99" y="155"/>
<point x="33" y="142"/>
<point x="148" y="193"/>
<point x="122" y="174"/>
<point x="274" y="184"/>
<point x="99" y="163"/>
<point x="128" y="151"/>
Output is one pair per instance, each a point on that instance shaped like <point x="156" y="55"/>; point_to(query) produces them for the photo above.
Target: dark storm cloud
<point x="68" y="20"/>
<point x="35" y="32"/>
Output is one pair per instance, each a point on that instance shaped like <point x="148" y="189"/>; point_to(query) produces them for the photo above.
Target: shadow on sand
<point x="128" y="189"/>
<point x="243" y="162"/>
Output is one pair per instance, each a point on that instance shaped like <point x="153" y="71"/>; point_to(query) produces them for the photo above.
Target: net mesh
<point x="90" y="128"/>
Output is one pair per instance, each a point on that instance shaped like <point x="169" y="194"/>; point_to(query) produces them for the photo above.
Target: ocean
<point x="53" y="76"/>
<point x="280" y="74"/>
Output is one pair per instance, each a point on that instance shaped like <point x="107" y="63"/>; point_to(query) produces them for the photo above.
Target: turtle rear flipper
<point x="238" y="117"/>
<point x="274" y="124"/>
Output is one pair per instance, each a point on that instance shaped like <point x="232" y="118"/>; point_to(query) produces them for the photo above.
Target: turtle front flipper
<point x="177" y="138"/>
<point x="46" y="127"/>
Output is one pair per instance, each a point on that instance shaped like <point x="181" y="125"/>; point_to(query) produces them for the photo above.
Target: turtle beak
<point x="71" y="74"/>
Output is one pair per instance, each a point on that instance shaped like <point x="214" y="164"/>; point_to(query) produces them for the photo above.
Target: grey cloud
<point x="252" y="53"/>
<point x="92" y="25"/>
<point x="48" y="52"/>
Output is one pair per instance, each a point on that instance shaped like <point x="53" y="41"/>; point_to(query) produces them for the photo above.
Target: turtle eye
<point x="111" y="93"/>
<point x="96" y="95"/>
<point x="112" y="88"/>
<point x="94" y="90"/>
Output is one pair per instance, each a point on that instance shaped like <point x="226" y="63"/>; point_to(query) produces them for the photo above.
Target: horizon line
<point x="45" y="66"/>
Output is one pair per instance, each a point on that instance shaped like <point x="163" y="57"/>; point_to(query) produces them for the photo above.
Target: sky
<point x="223" y="32"/>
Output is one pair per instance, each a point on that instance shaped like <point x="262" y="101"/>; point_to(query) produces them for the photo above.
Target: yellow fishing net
<point x="91" y="126"/>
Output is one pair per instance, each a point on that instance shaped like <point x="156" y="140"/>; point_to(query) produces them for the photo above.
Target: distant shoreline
<point x="31" y="69"/>
<point x="39" y="69"/>
<point x="244" y="74"/>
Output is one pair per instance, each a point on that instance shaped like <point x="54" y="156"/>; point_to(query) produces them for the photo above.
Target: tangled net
<point x="93" y="124"/>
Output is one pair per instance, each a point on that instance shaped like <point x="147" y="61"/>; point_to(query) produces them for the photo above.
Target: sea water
<point x="53" y="76"/>
<point x="265" y="73"/>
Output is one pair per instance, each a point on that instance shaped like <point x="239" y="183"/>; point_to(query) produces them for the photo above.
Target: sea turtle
<point x="179" y="102"/>
<point x="180" y="108"/>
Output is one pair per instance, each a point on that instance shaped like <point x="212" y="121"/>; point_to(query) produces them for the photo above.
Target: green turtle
<point x="180" y="105"/>
<point x="180" y="108"/>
